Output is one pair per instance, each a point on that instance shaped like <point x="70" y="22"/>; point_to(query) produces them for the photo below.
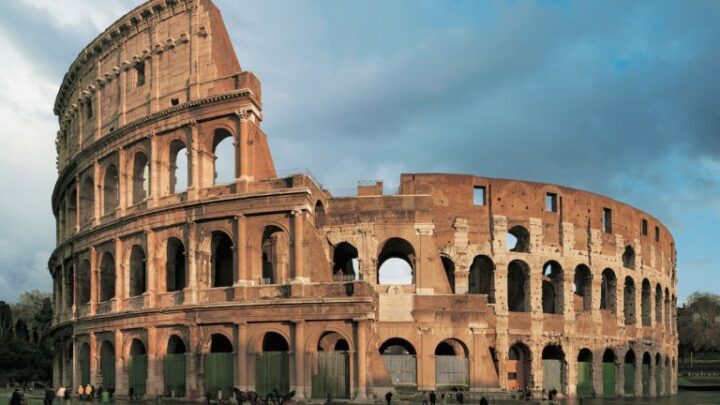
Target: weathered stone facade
<point x="275" y="273"/>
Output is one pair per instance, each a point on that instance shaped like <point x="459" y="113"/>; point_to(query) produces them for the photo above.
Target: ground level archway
<point x="400" y="362"/>
<point x="451" y="364"/>
<point x="331" y="371"/>
<point x="272" y="365"/>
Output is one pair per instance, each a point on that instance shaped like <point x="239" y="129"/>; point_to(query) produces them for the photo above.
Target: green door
<point x="174" y="374"/>
<point x="401" y="368"/>
<point x="107" y="371"/>
<point x="138" y="373"/>
<point x="272" y="370"/>
<point x="331" y="375"/>
<point x="219" y="375"/>
<point x="85" y="371"/>
<point x="609" y="380"/>
<point x="629" y="374"/>
<point x="552" y="374"/>
<point x="451" y="371"/>
<point x="658" y="380"/>
<point x="646" y="379"/>
<point x="584" y="380"/>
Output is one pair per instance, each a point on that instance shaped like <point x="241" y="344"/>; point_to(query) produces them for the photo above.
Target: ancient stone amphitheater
<point x="177" y="282"/>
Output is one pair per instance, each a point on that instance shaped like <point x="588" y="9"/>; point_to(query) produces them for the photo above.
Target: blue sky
<point x="620" y="98"/>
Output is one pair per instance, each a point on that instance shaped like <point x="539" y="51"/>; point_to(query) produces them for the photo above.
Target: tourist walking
<point x="60" y="394"/>
<point x="433" y="397"/>
<point x="15" y="399"/>
<point x="388" y="397"/>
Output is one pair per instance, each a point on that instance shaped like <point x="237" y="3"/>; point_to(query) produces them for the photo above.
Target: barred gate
<point x="552" y="374"/>
<point x="584" y="380"/>
<point x="451" y="371"/>
<point x="645" y="379"/>
<point x="174" y="374"/>
<point x="272" y="370"/>
<point x="331" y="375"/>
<point x="401" y="368"/>
<point x="138" y="373"/>
<point x="629" y="375"/>
<point x="219" y="375"/>
<point x="658" y="380"/>
<point x="85" y="371"/>
<point x="107" y="371"/>
<point x="608" y="380"/>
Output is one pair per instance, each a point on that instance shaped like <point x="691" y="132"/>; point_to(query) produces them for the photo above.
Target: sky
<point x="619" y="98"/>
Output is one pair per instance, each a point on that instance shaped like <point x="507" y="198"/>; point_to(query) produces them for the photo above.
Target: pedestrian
<point x="49" y="396"/>
<point x="459" y="397"/>
<point x="60" y="394"/>
<point x="111" y="391"/>
<point x="552" y="394"/>
<point x="443" y="399"/>
<point x="100" y="391"/>
<point x="15" y="399"/>
<point x="424" y="398"/>
<point x="88" y="392"/>
<point x="80" y="392"/>
<point x="388" y="397"/>
<point x="131" y="393"/>
<point x="433" y="397"/>
<point x="92" y="393"/>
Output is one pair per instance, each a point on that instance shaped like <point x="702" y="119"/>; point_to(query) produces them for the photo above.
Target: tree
<point x="6" y="322"/>
<point x="698" y="322"/>
<point x="21" y="331"/>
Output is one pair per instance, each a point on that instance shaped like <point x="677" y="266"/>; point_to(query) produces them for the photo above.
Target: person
<point x="388" y="397"/>
<point x="544" y="394"/>
<point x="527" y="392"/>
<point x="483" y="401"/>
<point x="88" y="392"/>
<point x="459" y="397"/>
<point x="424" y="398"/>
<point x="92" y="392"/>
<point x="552" y="394"/>
<point x="111" y="391"/>
<point x="99" y="392"/>
<point x="80" y="392"/>
<point x="328" y="398"/>
<point x="61" y="394"/>
<point x="49" y="396"/>
<point x="443" y="399"/>
<point x="433" y="397"/>
<point x="15" y="399"/>
<point x="131" y="393"/>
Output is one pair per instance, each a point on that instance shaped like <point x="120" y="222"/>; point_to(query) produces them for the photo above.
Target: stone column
<point x="122" y="183"/>
<point x="121" y="274"/>
<point x="93" y="360"/>
<point x="151" y="268"/>
<point x="653" y="376"/>
<point x="57" y="367"/>
<point x="597" y="375"/>
<point x="97" y="194"/>
<point x="572" y="374"/>
<point x="299" y="352"/>
<point x="244" y="136"/>
<point x="241" y="243"/>
<point x="77" y="203"/>
<point x="361" y="352"/>
<point x="242" y="348"/>
<point x="194" y="160"/>
<point x="425" y="363"/>
<point x="619" y="377"/>
<point x="297" y="239"/>
<point x="155" y="377"/>
<point x="638" y="374"/>
<point x="93" y="280"/>
<point x="193" y="383"/>
<point x="120" y="373"/>
<point x="155" y="168"/>
<point x="190" y="294"/>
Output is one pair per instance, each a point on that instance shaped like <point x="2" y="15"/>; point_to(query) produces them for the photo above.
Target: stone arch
<point x="328" y="341"/>
<point x="451" y="363"/>
<point x="658" y="304"/>
<point x="608" y="291"/>
<point x="319" y="214"/>
<point x="331" y="366"/>
<point x="275" y="342"/>
<point x="176" y="345"/>
<point x="174" y="367"/>
<point x="220" y="343"/>
<point x="646" y="295"/>
<point x="518" y="286"/>
<point x="140" y="177"/>
<point x="138" y="271"/>
<point x="400" y="362"/>
<point x="71" y="210"/>
<point x="609" y="373"/>
<point x="518" y="239"/>
<point x="222" y="259"/>
<point x="629" y="301"/>
<point x="396" y="262"/>
<point x="84" y="282"/>
<point x="552" y="288"/>
<point x="667" y="308"/>
<point x="518" y="366"/>
<point x="582" y="283"/>
<point x="223" y="149"/>
<point x="107" y="364"/>
<point x="87" y="200"/>
<point x="553" y="358"/>
<point x="628" y="257"/>
<point x="255" y="343"/>
<point x="482" y="277"/>
<point x="449" y="267"/>
<point x="107" y="277"/>
<point x="345" y="262"/>
<point x="178" y="175"/>
<point x="585" y="372"/>
<point x="69" y="285"/>
<point x="138" y="368"/>
<point x="111" y="189"/>
<point x="84" y="363"/>
<point x="275" y="250"/>
<point x="175" y="265"/>
<point x="630" y="365"/>
<point x="646" y="366"/>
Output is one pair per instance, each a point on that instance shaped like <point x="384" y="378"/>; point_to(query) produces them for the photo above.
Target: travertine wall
<point x="140" y="260"/>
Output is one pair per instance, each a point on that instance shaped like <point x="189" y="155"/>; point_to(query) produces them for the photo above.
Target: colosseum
<point x="176" y="282"/>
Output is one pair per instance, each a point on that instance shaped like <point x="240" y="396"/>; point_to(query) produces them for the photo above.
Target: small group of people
<point x="430" y="397"/>
<point x="546" y="395"/>
<point x="89" y="393"/>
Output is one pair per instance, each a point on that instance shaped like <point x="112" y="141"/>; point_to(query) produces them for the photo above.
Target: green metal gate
<point x="646" y="379"/>
<point x="107" y="371"/>
<point x="658" y="380"/>
<point x="137" y="377"/>
<point x="219" y="375"/>
<point x="667" y="380"/>
<point x="174" y="374"/>
<point x="609" y="380"/>
<point x="629" y="375"/>
<point x="401" y="368"/>
<point x="451" y="371"/>
<point x="331" y="375"/>
<point x="584" y="380"/>
<point x="552" y="374"/>
<point x="85" y="371"/>
<point x="272" y="370"/>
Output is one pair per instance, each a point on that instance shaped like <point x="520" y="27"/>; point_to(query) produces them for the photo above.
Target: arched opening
<point x="658" y="304"/>
<point x="87" y="201"/>
<point x="553" y="360"/>
<point x="658" y="375"/>
<point x="84" y="364"/>
<point x="275" y="252"/>
<point x="609" y="374"/>
<point x="399" y="359"/>
<point x="319" y="214"/>
<point x="552" y="288"/>
<point x="629" y="301"/>
<point x="70" y="286"/>
<point x="645" y="303"/>
<point x="110" y="190"/>
<point x="646" y="364"/>
<point x="71" y="207"/>
<point x="449" y="268"/>
<point x="219" y="371"/>
<point x="608" y="291"/>
<point x="396" y="262"/>
<point x="667" y="309"/>
<point x="666" y="377"/>
<point x="451" y="364"/>
<point x="628" y="258"/>
<point x="222" y="259"/>
<point x="107" y="277"/>
<point x="518" y="239"/>
<point x="272" y="366"/>
<point x="582" y="288"/>
<point x="224" y="157"/>
<point x="138" y="271"/>
<point x="585" y="374"/>
<point x="174" y="366"/>
<point x="518" y="286"/>
<point x="107" y="364"/>
<point x="629" y="373"/>
<point x="138" y="370"/>
<point x="345" y="262"/>
<point x="331" y="371"/>
<point x="140" y="178"/>
<point x="482" y="277"/>
<point x="518" y="367"/>
<point x="175" y="265"/>
<point x="178" y="179"/>
<point x="84" y="283"/>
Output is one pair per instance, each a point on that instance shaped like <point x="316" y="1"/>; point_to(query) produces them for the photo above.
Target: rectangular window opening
<point x="657" y="234"/>
<point x="88" y="109"/>
<point x="140" y="72"/>
<point x="175" y="101"/>
<point x="479" y="195"/>
<point x="551" y="202"/>
<point x="644" y="227"/>
<point x="607" y="220"/>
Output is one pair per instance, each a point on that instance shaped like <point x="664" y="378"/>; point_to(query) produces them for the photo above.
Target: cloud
<point x="70" y="14"/>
